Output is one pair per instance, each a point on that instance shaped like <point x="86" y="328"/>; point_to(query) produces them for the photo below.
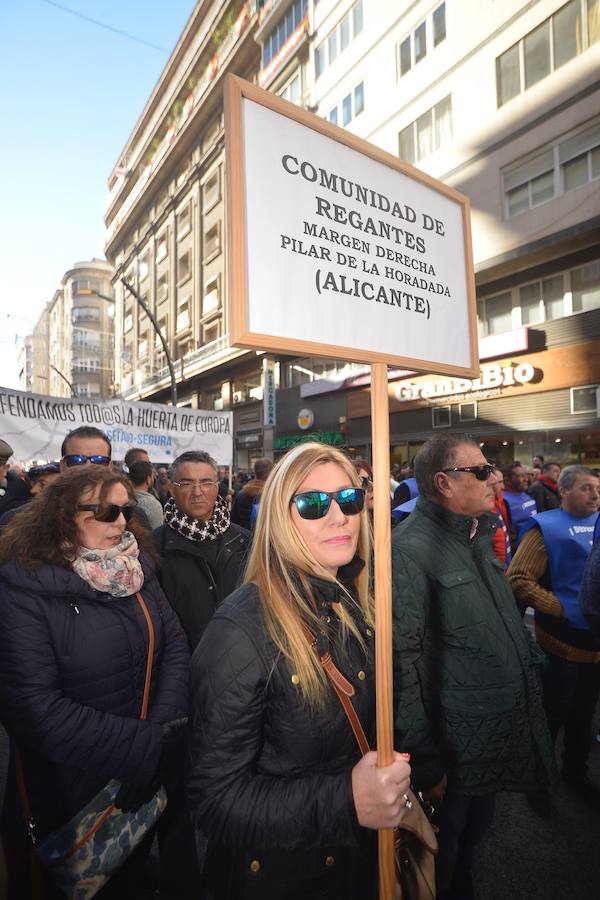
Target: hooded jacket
<point x="72" y="673"/>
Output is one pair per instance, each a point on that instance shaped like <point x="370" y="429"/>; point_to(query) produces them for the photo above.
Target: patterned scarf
<point x="117" y="571"/>
<point x="196" y="529"/>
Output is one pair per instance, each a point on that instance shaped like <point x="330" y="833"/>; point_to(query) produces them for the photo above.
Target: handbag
<point x="82" y="855"/>
<point x="415" y="843"/>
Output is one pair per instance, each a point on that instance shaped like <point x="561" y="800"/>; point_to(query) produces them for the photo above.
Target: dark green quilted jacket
<point x="467" y="689"/>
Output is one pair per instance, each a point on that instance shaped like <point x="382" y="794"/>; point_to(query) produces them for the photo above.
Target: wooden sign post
<point x="338" y="249"/>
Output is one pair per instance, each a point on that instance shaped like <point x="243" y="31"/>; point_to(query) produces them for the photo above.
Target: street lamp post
<point x="155" y="325"/>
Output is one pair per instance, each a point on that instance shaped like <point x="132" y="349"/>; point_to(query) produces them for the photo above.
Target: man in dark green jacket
<point x="466" y="672"/>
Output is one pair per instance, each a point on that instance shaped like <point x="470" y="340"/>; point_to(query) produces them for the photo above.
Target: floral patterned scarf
<point x="117" y="571"/>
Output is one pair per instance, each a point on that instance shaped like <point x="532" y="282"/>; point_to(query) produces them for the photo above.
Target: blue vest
<point x="568" y="541"/>
<point x="411" y="484"/>
<point x="521" y="508"/>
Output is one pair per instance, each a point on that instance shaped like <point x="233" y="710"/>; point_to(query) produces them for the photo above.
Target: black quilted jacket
<point x="271" y="786"/>
<point x="467" y="691"/>
<point x="72" y="670"/>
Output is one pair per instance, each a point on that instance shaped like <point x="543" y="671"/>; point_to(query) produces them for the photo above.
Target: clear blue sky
<point x="70" y="94"/>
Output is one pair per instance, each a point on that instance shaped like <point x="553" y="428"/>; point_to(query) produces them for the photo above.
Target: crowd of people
<point x="170" y="627"/>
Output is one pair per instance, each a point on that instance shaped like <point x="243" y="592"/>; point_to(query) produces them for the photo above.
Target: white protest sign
<point x="35" y="426"/>
<point x="340" y="249"/>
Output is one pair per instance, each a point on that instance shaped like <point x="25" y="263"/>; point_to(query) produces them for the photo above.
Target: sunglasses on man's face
<point x="110" y="512"/>
<point x="481" y="473"/>
<point x="78" y="459"/>
<point x="315" y="504"/>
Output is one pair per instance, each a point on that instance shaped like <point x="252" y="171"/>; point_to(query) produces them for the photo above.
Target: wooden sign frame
<point x="236" y="90"/>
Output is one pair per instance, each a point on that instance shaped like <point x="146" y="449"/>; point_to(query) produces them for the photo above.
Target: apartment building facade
<point x="73" y="344"/>
<point x="500" y="101"/>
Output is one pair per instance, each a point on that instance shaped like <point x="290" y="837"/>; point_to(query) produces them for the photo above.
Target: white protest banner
<point x="35" y="425"/>
<point x="370" y="260"/>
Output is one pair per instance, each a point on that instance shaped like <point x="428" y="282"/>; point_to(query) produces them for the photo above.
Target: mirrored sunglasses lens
<point x="351" y="501"/>
<point x="100" y="460"/>
<point x="75" y="459"/>
<point x="313" y="505"/>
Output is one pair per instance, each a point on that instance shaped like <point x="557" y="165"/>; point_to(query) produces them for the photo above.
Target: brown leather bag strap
<point x="148" y="617"/>
<point x="342" y="687"/>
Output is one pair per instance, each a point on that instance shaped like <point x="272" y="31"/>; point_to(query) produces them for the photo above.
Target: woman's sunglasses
<point x="78" y="459"/>
<point x="366" y="482"/>
<point x="481" y="473"/>
<point x="108" y="513"/>
<point x="315" y="504"/>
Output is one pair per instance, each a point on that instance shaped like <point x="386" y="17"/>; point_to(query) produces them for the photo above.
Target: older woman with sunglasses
<point x="284" y="805"/>
<point x="78" y="603"/>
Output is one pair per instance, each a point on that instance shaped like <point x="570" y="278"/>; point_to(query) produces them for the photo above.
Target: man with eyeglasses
<point x="202" y="551"/>
<point x="467" y="696"/>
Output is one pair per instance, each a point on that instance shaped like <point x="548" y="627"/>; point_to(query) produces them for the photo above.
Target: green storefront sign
<point x="334" y="438"/>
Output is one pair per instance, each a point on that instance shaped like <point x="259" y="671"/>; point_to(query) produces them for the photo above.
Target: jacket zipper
<point x="70" y="629"/>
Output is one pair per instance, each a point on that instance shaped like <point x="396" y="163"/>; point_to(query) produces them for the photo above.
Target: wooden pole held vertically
<point x="380" y="425"/>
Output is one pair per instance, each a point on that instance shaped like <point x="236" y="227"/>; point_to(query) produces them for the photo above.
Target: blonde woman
<point x="284" y="806"/>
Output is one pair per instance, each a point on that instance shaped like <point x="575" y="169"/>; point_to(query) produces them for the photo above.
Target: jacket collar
<point x="456" y="523"/>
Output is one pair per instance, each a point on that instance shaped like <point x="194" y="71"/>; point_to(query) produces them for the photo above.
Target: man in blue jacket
<point x="546" y="573"/>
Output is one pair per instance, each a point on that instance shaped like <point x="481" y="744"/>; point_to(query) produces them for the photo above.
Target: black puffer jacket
<point x="197" y="575"/>
<point x="72" y="672"/>
<point x="271" y="788"/>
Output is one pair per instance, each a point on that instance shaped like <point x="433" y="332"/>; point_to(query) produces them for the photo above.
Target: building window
<point x="585" y="287"/>
<point x="347" y="109"/>
<point x="563" y="167"/>
<point x="162" y="247"/>
<point x="467" y="412"/>
<point x="428" y="133"/>
<point x="441" y="417"/>
<point x="439" y="24"/>
<point x="211" y="300"/>
<point x="583" y="399"/>
<point x="333" y="116"/>
<point x="184" y="221"/>
<point x="127" y="323"/>
<point x="495" y="314"/>
<point x="184" y="267"/>
<point x="144" y="267"/>
<point x="283" y="30"/>
<point x="339" y="38"/>
<point x="162" y="287"/>
<point x="405" y="57"/>
<point x="211" y="332"/>
<point x="554" y="42"/>
<point x="420" y="37"/>
<point x="413" y="48"/>
<point x="211" y="191"/>
<point x="212" y="240"/>
<point x="291" y="91"/>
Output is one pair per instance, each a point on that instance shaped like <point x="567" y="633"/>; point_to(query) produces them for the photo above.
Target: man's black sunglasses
<point x="109" y="512"/>
<point x="481" y="473"/>
<point x="78" y="459"/>
<point x="315" y="504"/>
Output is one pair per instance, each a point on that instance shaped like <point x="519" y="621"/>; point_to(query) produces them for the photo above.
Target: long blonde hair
<point x="281" y="565"/>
